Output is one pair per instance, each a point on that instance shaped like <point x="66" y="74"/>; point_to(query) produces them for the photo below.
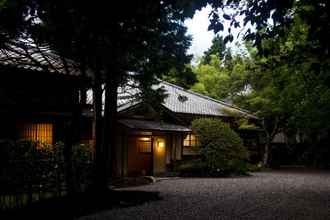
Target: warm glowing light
<point x="144" y="144"/>
<point x="161" y="144"/>
<point x="41" y="132"/>
<point x="190" y="140"/>
<point x="145" y="139"/>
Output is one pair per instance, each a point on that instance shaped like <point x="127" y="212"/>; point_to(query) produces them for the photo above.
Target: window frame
<point x="144" y="140"/>
<point x="34" y="131"/>
<point x="192" y="141"/>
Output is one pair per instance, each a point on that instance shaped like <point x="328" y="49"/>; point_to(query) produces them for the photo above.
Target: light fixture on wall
<point x="145" y="139"/>
<point x="160" y="144"/>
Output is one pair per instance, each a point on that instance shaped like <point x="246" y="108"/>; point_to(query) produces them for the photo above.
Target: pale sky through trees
<point x="197" y="28"/>
<point x="202" y="38"/>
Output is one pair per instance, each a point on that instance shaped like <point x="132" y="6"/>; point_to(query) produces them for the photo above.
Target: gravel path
<point x="265" y="195"/>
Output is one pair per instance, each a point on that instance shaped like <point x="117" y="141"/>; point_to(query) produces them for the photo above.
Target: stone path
<point x="265" y="195"/>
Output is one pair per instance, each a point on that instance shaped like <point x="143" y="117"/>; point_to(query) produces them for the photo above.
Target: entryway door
<point x="159" y="154"/>
<point x="139" y="156"/>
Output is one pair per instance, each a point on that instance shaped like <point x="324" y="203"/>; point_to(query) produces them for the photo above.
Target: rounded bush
<point x="221" y="147"/>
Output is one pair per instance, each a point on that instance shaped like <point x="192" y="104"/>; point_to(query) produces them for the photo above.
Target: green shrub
<point x="221" y="148"/>
<point x="82" y="158"/>
<point x="192" y="168"/>
<point x="257" y="167"/>
<point x="34" y="166"/>
<point x="30" y="168"/>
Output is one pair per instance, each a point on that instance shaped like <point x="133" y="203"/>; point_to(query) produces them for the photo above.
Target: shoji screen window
<point x="41" y="132"/>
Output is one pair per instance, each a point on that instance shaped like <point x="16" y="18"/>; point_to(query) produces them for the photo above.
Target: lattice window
<point x="190" y="141"/>
<point x="41" y="132"/>
<point x="144" y="145"/>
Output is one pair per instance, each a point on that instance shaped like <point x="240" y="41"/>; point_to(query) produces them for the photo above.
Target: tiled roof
<point x="180" y="100"/>
<point x="153" y="125"/>
<point x="37" y="59"/>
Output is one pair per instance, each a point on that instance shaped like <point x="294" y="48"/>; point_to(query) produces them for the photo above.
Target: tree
<point x="291" y="37"/>
<point x="12" y="24"/>
<point x="303" y="92"/>
<point x="146" y="38"/>
<point x="218" y="48"/>
<point x="149" y="38"/>
<point x="244" y="81"/>
<point x="224" y="79"/>
<point x="185" y="78"/>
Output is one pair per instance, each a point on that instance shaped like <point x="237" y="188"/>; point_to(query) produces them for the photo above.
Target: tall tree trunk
<point x="270" y="131"/>
<point x="69" y="173"/>
<point x="266" y="154"/>
<point x="110" y="121"/>
<point x="72" y="137"/>
<point x="99" y="178"/>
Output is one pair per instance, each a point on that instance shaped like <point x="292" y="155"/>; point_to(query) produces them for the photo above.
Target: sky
<point x="201" y="37"/>
<point x="197" y="28"/>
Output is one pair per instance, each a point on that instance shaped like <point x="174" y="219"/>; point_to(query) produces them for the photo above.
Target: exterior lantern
<point x="160" y="144"/>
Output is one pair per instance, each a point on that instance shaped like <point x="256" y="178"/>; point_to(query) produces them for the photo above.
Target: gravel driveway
<point x="265" y="195"/>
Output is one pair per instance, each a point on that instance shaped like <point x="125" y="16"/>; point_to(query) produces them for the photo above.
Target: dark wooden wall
<point x="38" y="97"/>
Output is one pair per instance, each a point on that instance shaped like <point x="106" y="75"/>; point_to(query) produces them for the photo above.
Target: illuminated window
<point x="190" y="141"/>
<point x="41" y="132"/>
<point x="144" y="144"/>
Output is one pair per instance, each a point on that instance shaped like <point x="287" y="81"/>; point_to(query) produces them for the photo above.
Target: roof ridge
<point x="204" y="96"/>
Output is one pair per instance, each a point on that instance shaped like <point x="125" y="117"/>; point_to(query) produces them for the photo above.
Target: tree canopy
<point x="141" y="39"/>
<point x="284" y="78"/>
<point x="218" y="47"/>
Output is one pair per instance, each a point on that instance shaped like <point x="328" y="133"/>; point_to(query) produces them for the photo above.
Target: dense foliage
<point x="31" y="170"/>
<point x="222" y="79"/>
<point x="288" y="96"/>
<point x="221" y="148"/>
<point x="285" y="81"/>
<point x="184" y="78"/>
<point x="217" y="48"/>
<point x="109" y="41"/>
